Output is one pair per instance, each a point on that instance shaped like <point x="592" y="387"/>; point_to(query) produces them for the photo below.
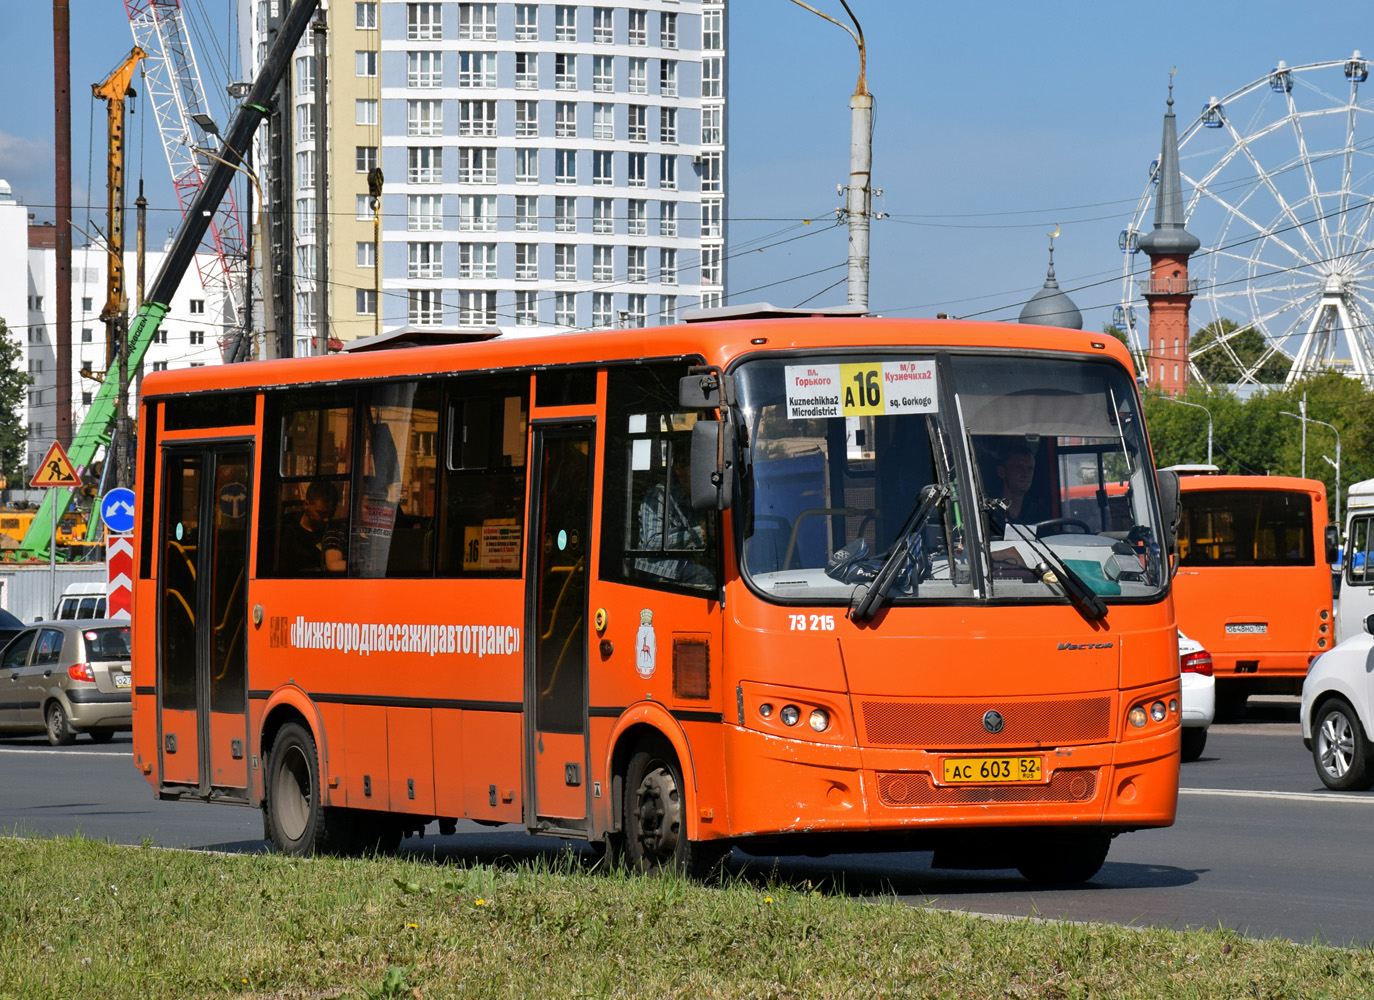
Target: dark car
<point x="10" y="626"/>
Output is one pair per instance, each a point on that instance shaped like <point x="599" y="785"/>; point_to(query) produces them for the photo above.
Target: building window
<point x="364" y="158"/>
<point x="603" y="121"/>
<point x="477" y="308"/>
<point x="477" y="213"/>
<point x="526" y="71"/>
<point x="476" y="261"/>
<point x="476" y="118"/>
<point x="526" y="213"/>
<point x="667" y="266"/>
<point x="305" y="216"/>
<point x="366" y="254"/>
<point x="710" y="265"/>
<point x="667" y="310"/>
<point x="364" y="63"/>
<point x="565" y="120"/>
<point x="197" y="307"/>
<point x="159" y="337"/>
<point x="667" y="77"/>
<point x="639" y="76"/>
<point x="305" y="75"/>
<point x="639" y="27"/>
<point x="635" y="169"/>
<point x="527" y="166"/>
<point x="667" y="31"/>
<point x="424" y="260"/>
<point x="527" y="262"/>
<point x="424" y="22"/>
<point x="565" y="23"/>
<point x="365" y="301"/>
<point x="305" y="309"/>
<point x="635" y="310"/>
<point x="526" y="119"/>
<point x="477" y="21"/>
<point x="711" y="77"/>
<point x="476" y="165"/>
<point x="477" y="69"/>
<point x="564" y="214"/>
<point x="667" y="218"/>
<point x="603" y="266"/>
<point x="158" y="366"/>
<point x="87" y="304"/>
<point x="712" y="133"/>
<point x="198" y="337"/>
<point x="305" y="122"/>
<point x="564" y="71"/>
<point x="637" y="116"/>
<point x="425" y="118"/>
<point x="603" y="25"/>
<point x="365" y="16"/>
<point x="526" y="22"/>
<point x="362" y="207"/>
<point x="710" y="171"/>
<point x="601" y="167"/>
<point x="564" y="262"/>
<point x="603" y="223"/>
<point x="601" y="309"/>
<point x="635" y="266"/>
<point x="564" y="309"/>
<point x="667" y="172"/>
<point x="710" y="300"/>
<point x="424" y="212"/>
<point x="425" y="70"/>
<point x="305" y="169"/>
<point x="526" y="308"/>
<point x="602" y="80"/>
<point x="565" y="166"/>
<point x="425" y="164"/>
<point x="364" y="112"/>
<point x="86" y="399"/>
<point x="712" y="33"/>
<point x="87" y="335"/>
<point x="710" y="218"/>
<point x="637" y="217"/>
<point x="426" y="307"/>
<point x="667" y="125"/>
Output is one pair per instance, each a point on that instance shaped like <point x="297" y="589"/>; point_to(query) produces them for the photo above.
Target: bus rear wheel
<point x="654" y="828"/>
<point x="1064" y="858"/>
<point x="297" y="821"/>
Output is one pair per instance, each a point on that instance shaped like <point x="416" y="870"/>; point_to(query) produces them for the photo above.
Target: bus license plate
<point x="1247" y="628"/>
<point x="999" y="770"/>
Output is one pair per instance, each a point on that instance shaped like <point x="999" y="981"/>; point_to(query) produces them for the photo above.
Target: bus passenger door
<point x="556" y="628"/>
<point x="202" y="689"/>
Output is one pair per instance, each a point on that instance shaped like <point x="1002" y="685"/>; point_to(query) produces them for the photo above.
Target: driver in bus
<point x="302" y="537"/>
<point x="1016" y="469"/>
<point x="685" y="527"/>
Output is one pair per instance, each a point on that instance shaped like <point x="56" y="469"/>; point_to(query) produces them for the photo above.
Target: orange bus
<point x="1254" y="580"/>
<point x="730" y="583"/>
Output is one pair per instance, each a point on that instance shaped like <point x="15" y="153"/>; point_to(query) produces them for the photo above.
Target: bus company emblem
<point x="1085" y="645"/>
<point x="993" y="722"/>
<point x="646" y="645"/>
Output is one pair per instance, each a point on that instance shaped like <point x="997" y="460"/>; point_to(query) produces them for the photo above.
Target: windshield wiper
<point x="902" y="553"/>
<point x="1089" y="604"/>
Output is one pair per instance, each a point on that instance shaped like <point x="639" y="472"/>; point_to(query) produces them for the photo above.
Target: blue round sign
<point x="117" y="510"/>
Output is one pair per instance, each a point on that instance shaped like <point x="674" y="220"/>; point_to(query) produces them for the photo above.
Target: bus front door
<point x="556" y="626"/>
<point x="202" y="682"/>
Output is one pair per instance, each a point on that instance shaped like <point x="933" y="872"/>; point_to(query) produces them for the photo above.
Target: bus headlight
<point x="790" y="715"/>
<point x="1138" y="716"/>
<point x="1157" y="711"/>
<point x="820" y="720"/>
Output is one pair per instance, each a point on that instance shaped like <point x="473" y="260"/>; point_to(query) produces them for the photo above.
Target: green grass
<point x="85" y="919"/>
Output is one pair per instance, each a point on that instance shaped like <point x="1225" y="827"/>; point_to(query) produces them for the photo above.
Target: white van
<point x="81" y="601"/>
<point x="1356" y="597"/>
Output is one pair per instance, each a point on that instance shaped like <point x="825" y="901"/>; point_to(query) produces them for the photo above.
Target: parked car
<point x="1199" y="686"/>
<point x="65" y="678"/>
<point x="10" y="626"/>
<point x="1336" y="714"/>
<point x="81" y="601"/>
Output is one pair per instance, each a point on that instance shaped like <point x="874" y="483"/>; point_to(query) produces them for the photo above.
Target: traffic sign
<point x="55" y="469"/>
<point x="119" y="569"/>
<point x="117" y="510"/>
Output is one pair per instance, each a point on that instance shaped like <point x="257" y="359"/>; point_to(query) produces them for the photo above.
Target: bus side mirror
<point x="714" y="456"/>
<point x="1369" y="624"/>
<point x="1170" y="507"/>
<point x="702" y="391"/>
<point x="1333" y="543"/>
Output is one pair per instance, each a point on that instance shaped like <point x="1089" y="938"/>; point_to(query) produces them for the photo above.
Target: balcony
<point x="1168" y="286"/>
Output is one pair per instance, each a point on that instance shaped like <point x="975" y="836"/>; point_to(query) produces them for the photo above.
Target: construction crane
<point x="95" y="431"/>
<point x="114" y="91"/>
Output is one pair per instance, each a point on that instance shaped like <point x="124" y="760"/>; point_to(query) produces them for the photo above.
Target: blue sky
<point x="995" y="121"/>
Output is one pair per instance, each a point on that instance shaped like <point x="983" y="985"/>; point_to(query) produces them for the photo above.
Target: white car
<point x="1199" y="695"/>
<point x="1336" y="716"/>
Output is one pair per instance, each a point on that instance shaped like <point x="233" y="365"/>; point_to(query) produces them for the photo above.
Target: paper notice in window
<point x="862" y="389"/>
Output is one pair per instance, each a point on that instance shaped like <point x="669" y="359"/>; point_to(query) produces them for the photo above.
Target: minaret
<point x="1050" y="306"/>
<point x="1168" y="291"/>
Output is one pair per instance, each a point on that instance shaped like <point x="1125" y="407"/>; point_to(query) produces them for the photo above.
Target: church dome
<point x="1050" y="306"/>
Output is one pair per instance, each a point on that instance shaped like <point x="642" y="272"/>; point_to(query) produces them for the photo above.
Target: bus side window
<point x="482" y="497"/>
<point x="1359" y="550"/>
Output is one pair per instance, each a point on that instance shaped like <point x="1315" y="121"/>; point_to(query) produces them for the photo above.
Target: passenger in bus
<point x="686" y="528"/>
<point x="302" y="537"/>
<point x="334" y="547"/>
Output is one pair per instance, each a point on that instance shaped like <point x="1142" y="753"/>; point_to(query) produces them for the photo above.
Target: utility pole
<point x="374" y="187"/>
<point x="321" y="190"/>
<point x="62" y="122"/>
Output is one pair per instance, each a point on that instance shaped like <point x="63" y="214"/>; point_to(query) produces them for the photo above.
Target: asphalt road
<point x="1260" y="846"/>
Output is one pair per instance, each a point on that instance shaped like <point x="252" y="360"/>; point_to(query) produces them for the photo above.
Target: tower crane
<point x="114" y="91"/>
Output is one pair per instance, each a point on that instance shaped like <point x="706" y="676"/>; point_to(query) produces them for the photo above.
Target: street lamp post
<point x="1335" y="465"/>
<point x="1184" y="402"/>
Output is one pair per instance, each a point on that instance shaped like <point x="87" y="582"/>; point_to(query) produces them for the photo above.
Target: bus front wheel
<point x="1065" y="858"/>
<point x="655" y="825"/>
<point x="297" y="821"/>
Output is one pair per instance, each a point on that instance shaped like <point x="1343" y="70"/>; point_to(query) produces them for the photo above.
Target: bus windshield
<point x="1041" y="466"/>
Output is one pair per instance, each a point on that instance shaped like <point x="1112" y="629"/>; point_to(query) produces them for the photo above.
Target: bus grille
<point x="959" y="725"/>
<point x="916" y="789"/>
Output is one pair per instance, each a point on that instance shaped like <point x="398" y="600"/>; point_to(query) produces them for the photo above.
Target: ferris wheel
<point x="1278" y="183"/>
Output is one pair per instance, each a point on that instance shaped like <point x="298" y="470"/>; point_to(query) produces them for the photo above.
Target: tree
<point x="1112" y="330"/>
<point x="14" y="381"/>
<point x="1216" y="365"/>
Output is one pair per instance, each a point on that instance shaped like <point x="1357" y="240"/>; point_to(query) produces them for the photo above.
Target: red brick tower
<point x="1168" y="291"/>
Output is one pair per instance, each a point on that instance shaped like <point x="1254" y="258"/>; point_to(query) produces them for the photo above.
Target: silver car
<point x="68" y="677"/>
